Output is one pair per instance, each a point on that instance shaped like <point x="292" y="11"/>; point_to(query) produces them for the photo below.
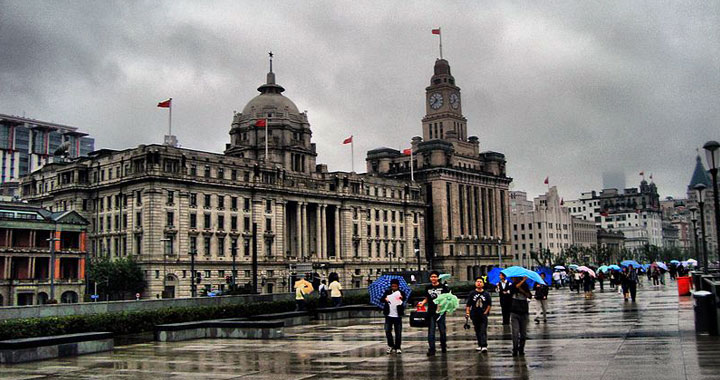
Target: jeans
<point x="337" y="301"/>
<point x="440" y="324"/>
<point x="518" y="326"/>
<point x="542" y="307"/>
<point x="632" y="288"/>
<point x="480" y="323"/>
<point x="396" y="323"/>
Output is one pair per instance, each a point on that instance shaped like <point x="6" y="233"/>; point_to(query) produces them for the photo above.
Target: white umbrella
<point x="583" y="268"/>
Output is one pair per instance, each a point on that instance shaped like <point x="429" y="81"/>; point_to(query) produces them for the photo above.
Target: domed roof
<point x="270" y="98"/>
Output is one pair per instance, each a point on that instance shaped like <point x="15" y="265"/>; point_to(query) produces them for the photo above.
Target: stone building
<point x="701" y="176"/>
<point x="584" y="233"/>
<point x="465" y="189"/>
<point x="161" y="204"/>
<point x="26" y="233"/>
<point x="614" y="241"/>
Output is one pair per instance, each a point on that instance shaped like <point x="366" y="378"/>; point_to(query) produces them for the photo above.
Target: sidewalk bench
<point x="50" y="347"/>
<point x="221" y="328"/>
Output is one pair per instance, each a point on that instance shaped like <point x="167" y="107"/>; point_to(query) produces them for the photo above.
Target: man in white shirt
<point x="336" y="292"/>
<point x="393" y="311"/>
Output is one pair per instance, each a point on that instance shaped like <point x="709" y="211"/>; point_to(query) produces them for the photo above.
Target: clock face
<point x="436" y="100"/>
<point x="455" y="101"/>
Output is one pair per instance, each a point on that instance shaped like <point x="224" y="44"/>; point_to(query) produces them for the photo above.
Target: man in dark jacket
<point x="393" y="310"/>
<point x="503" y="289"/>
<point x="541" y="295"/>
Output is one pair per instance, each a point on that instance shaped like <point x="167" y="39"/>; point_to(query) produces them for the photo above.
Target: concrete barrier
<point x="50" y="347"/>
<point x="221" y="328"/>
<point x="348" y="312"/>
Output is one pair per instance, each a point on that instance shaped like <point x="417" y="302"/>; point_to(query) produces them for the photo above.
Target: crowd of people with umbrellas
<point x="514" y="286"/>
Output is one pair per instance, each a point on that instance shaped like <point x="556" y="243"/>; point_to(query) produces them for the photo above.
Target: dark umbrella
<point x="378" y="287"/>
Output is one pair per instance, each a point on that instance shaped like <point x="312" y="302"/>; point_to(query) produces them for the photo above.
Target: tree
<point x="602" y="255"/>
<point x="543" y="257"/>
<point x="117" y="279"/>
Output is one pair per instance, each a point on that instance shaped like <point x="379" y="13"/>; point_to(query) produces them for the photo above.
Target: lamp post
<point x="52" y="241"/>
<point x="499" y="253"/>
<point x="693" y="219"/>
<point x="193" y="286"/>
<point x="712" y="154"/>
<point x="699" y="188"/>
<point x="233" y="250"/>
<point x="166" y="248"/>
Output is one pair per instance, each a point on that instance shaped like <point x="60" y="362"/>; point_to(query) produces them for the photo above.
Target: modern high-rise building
<point x="28" y="144"/>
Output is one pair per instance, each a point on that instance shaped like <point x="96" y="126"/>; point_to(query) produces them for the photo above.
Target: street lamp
<point x="693" y="219"/>
<point x="52" y="239"/>
<point x="193" y="286"/>
<point x="712" y="154"/>
<point x="233" y="250"/>
<point x="166" y="249"/>
<point x="699" y="188"/>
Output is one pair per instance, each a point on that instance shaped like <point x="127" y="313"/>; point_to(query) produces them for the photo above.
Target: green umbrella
<point x="446" y="303"/>
<point x="444" y="277"/>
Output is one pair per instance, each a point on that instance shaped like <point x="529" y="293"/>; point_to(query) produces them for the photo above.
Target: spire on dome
<point x="699" y="175"/>
<point x="270" y="86"/>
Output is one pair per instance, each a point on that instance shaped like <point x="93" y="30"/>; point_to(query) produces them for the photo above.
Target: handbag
<point x="419" y="318"/>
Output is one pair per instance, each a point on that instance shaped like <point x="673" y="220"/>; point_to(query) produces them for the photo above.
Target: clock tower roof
<point x="442" y="73"/>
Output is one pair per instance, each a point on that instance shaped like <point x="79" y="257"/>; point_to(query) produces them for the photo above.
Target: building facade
<point x="26" y="235"/>
<point x="28" y="144"/>
<point x="465" y="189"/>
<point x="166" y="206"/>
<point x="701" y="176"/>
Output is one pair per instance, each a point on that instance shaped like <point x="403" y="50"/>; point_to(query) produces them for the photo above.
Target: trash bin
<point x="684" y="286"/>
<point x="704" y="308"/>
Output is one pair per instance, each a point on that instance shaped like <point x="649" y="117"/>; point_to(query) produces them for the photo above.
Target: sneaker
<point x="390" y="350"/>
<point x="398" y="351"/>
<point x="431" y="353"/>
<point x="484" y="349"/>
<point x="479" y="349"/>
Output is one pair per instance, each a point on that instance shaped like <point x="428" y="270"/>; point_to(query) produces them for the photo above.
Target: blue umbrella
<point x="378" y="287"/>
<point x="548" y="274"/>
<point x="674" y="262"/>
<point x="603" y="268"/>
<point x="614" y="267"/>
<point x="634" y="263"/>
<point x="516" y="271"/>
<point x="662" y="265"/>
<point x="573" y="266"/>
<point x="494" y="275"/>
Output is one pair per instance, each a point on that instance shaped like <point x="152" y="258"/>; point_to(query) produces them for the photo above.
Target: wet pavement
<point x="601" y="338"/>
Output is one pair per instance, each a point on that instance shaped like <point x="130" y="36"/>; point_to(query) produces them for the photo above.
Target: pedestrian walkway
<point x="601" y="338"/>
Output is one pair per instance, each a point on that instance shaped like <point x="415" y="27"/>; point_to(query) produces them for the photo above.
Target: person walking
<point x="625" y="286"/>
<point x="541" y="295"/>
<point x="578" y="281"/>
<point x="519" y="315"/>
<point x="556" y="279"/>
<point x="323" y="294"/>
<point x="655" y="276"/>
<point x="393" y="310"/>
<point x="503" y="289"/>
<point x="300" y="297"/>
<point x="632" y="280"/>
<point x="477" y="308"/>
<point x="336" y="292"/>
<point x="432" y="292"/>
<point x="587" y="285"/>
<point x="601" y="280"/>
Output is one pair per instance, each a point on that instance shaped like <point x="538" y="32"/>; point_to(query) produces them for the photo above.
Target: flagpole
<point x="440" y="28"/>
<point x="267" y="125"/>
<point x="352" y="153"/>
<point x="170" y="119"/>
<point x="412" y="171"/>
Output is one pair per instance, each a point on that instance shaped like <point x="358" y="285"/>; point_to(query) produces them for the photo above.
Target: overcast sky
<point x="568" y="90"/>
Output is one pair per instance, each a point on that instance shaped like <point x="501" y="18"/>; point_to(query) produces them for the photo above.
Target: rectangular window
<point x="193" y="170"/>
<point x="221" y="202"/>
<point x="221" y="246"/>
<point x="233" y="222"/>
<point x="170" y="219"/>
<point x="206" y="204"/>
<point x="233" y="174"/>
<point x="138" y="198"/>
<point x="138" y="219"/>
<point x="193" y="244"/>
<point x="246" y="205"/>
<point x="246" y="223"/>
<point x="268" y="225"/>
<point x="206" y="245"/>
<point x="170" y="198"/>
<point x="233" y="203"/>
<point x="193" y="200"/>
<point x="206" y="221"/>
<point x="207" y="171"/>
<point x="221" y="222"/>
<point x="268" y="206"/>
<point x="221" y="173"/>
<point x="193" y="221"/>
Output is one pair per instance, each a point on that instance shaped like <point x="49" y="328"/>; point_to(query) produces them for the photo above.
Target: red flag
<point x="165" y="104"/>
<point x="348" y="140"/>
<point x="261" y="123"/>
<point x="407" y="152"/>
<point x="642" y="173"/>
<point x="436" y="31"/>
<point x="547" y="180"/>
<point x="604" y="213"/>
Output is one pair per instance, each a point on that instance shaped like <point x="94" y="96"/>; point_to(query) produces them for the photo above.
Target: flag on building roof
<point x="436" y="31"/>
<point x="348" y="140"/>
<point x="261" y="123"/>
<point x="407" y="152"/>
<point x="547" y="180"/>
<point x="165" y="104"/>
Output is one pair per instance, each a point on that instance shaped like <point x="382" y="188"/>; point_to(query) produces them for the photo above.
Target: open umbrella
<point x="583" y="268"/>
<point x="634" y="263"/>
<point x="674" y="262"/>
<point x="573" y="266"/>
<point x="305" y="284"/>
<point x="692" y="262"/>
<point x="516" y="271"/>
<point x="444" y="277"/>
<point x="548" y="274"/>
<point x="378" y="287"/>
<point x="494" y="275"/>
<point x="614" y="267"/>
<point x="446" y="303"/>
<point x="603" y="269"/>
<point x="559" y="267"/>
<point x="661" y="265"/>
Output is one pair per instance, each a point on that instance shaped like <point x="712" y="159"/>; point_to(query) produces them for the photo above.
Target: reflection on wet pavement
<point x="601" y="338"/>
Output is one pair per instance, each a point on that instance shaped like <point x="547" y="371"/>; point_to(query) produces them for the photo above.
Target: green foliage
<point x="120" y="278"/>
<point x="142" y="321"/>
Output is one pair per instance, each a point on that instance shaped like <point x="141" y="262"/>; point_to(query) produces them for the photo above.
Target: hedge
<point x="124" y="323"/>
<point x="143" y="321"/>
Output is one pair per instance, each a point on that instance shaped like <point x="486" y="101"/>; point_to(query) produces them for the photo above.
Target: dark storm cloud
<point x="565" y="89"/>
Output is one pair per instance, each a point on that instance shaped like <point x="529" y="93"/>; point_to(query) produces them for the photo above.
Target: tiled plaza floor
<point x="602" y="338"/>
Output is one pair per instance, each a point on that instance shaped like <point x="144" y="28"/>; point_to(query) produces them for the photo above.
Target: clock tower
<point x="443" y="117"/>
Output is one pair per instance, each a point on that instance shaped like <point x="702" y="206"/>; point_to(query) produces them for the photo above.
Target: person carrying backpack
<point x="323" y="293"/>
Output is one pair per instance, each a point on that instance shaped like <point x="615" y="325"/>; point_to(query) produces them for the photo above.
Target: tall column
<point x="318" y="230"/>
<point x="337" y="232"/>
<point x="298" y="231"/>
<point x="305" y="231"/>
<point x="323" y="218"/>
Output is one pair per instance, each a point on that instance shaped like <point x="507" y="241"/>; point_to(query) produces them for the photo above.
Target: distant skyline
<point x="566" y="90"/>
